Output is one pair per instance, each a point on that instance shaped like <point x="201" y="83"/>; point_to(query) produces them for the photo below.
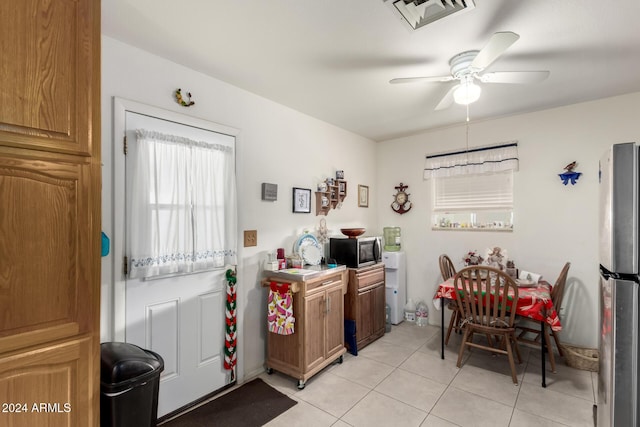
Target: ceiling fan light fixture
<point x="467" y="93"/>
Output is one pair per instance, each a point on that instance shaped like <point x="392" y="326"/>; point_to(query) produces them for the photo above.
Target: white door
<point x="182" y="318"/>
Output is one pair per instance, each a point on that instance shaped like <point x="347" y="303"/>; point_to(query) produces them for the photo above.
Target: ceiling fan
<point x="466" y="67"/>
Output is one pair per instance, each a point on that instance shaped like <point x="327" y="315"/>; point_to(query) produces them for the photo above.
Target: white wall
<point x="553" y="223"/>
<point x="276" y="145"/>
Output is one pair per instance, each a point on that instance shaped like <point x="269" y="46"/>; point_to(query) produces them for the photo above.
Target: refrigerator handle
<point x="606" y="274"/>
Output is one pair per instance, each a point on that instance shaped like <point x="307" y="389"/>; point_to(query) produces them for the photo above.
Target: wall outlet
<point x="250" y="238"/>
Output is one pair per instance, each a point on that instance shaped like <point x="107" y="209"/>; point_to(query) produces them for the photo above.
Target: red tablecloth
<point x="533" y="302"/>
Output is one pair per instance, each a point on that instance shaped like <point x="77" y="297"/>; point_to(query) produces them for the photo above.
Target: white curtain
<point x="496" y="158"/>
<point x="183" y="205"/>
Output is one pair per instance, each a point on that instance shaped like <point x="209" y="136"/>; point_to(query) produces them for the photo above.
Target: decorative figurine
<point x="495" y="258"/>
<point x="570" y="166"/>
<point x="570" y="175"/>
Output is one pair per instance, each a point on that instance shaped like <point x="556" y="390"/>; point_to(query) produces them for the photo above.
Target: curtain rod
<point x="473" y="150"/>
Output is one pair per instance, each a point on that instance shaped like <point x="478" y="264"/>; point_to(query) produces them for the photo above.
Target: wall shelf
<point x="333" y="197"/>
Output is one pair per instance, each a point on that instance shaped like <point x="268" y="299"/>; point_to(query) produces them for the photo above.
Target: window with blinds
<point x="474" y="201"/>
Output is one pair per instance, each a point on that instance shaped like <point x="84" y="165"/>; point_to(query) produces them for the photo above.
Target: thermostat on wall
<point x="269" y="192"/>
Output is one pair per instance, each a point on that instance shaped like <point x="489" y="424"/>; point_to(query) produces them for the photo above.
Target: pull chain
<point x="467" y="136"/>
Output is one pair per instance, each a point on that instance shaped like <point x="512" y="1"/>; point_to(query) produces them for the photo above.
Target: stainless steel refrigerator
<point x="617" y="402"/>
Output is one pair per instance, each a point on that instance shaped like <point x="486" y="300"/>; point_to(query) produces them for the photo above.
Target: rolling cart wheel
<point x="301" y="385"/>
<point x="341" y="359"/>
<point x="269" y="371"/>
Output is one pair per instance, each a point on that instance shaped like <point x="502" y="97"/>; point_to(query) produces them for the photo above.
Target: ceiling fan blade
<point x="447" y="99"/>
<point x="421" y="79"/>
<point x="497" y="45"/>
<point x="514" y="77"/>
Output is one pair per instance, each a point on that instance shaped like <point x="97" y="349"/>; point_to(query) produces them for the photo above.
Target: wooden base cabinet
<point x="318" y="340"/>
<point x="365" y="303"/>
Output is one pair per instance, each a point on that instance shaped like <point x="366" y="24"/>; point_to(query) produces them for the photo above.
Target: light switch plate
<point x="250" y="238"/>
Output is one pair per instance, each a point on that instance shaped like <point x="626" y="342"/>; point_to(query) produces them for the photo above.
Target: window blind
<point x="488" y="192"/>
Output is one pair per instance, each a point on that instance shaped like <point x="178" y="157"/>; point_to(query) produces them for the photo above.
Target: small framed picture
<point x="339" y="174"/>
<point x="301" y="200"/>
<point x="363" y="196"/>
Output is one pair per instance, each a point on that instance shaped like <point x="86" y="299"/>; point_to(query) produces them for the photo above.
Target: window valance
<point x="494" y="158"/>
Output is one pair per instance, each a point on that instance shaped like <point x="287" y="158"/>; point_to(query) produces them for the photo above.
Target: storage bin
<point x="586" y="359"/>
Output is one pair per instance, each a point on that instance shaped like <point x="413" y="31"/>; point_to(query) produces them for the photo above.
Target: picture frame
<point x="301" y="200"/>
<point x="363" y="196"/>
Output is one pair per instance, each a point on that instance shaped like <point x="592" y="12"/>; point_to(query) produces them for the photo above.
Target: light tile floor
<point x="400" y="380"/>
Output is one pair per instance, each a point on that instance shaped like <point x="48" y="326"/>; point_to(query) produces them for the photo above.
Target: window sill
<point x="496" y="229"/>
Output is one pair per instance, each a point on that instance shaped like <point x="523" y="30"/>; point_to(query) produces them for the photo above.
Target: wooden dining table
<point x="534" y="302"/>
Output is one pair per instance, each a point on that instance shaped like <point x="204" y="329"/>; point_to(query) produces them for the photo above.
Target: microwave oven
<point x="356" y="252"/>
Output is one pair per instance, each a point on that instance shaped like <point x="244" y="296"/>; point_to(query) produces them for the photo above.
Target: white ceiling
<point x="333" y="59"/>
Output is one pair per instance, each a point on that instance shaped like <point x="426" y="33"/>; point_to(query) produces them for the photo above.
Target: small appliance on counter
<point x="272" y="263"/>
<point x="356" y="252"/>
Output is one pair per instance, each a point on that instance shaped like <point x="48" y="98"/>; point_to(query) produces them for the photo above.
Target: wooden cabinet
<point x="50" y="186"/>
<point x="365" y="303"/>
<point x="332" y="198"/>
<point x="318" y="340"/>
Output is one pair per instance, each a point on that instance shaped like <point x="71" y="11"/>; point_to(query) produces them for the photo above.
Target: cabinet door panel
<point x="49" y="53"/>
<point x="364" y="327"/>
<point x="286" y="349"/>
<point x="45" y="251"/>
<point x="55" y="383"/>
<point x="314" y="329"/>
<point x="378" y="310"/>
<point x="335" y="321"/>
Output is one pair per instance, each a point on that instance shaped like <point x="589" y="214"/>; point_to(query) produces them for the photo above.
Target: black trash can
<point x="129" y="383"/>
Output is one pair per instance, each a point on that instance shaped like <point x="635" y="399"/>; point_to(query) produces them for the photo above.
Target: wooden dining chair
<point x="448" y="270"/>
<point x="530" y="335"/>
<point x="487" y="299"/>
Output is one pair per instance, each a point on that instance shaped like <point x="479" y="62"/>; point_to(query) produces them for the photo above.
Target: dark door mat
<point x="251" y="405"/>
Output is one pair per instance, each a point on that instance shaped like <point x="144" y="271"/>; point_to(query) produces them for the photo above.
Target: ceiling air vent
<point x="418" y="13"/>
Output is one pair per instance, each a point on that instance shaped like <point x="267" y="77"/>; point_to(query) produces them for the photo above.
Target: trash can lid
<point x="121" y="361"/>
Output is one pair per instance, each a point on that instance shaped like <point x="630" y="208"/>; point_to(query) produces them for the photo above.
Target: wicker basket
<point x="581" y="358"/>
